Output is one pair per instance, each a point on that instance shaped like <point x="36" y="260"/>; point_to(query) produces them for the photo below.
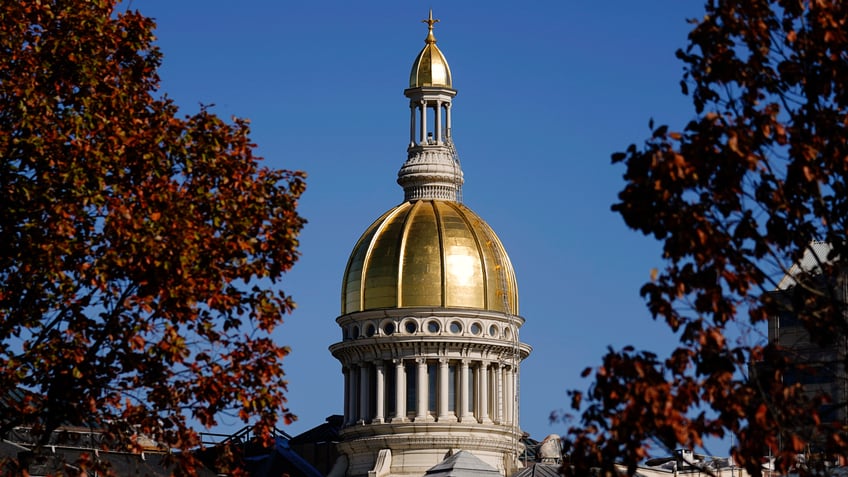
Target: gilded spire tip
<point x="430" y="22"/>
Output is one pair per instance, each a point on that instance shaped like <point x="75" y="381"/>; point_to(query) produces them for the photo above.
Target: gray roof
<point x="462" y="464"/>
<point x="539" y="470"/>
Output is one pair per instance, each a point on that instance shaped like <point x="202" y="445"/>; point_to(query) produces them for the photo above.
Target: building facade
<point x="430" y="348"/>
<point x="818" y="367"/>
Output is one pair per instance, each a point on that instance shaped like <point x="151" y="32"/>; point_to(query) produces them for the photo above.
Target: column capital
<point x="443" y="361"/>
<point x="420" y="361"/>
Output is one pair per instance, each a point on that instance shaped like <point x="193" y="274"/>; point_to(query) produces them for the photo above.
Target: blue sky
<point x="547" y="91"/>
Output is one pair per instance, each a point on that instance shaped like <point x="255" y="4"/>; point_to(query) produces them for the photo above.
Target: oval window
<point x="370" y="330"/>
<point x="433" y="327"/>
<point x="476" y="328"/>
<point x="456" y="327"/>
<point x="389" y="328"/>
<point x="493" y="331"/>
<point x="410" y="326"/>
<point x="354" y="332"/>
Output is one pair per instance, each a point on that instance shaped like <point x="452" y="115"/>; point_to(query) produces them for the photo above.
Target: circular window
<point x="433" y="327"/>
<point x="476" y="328"/>
<point x="389" y="328"/>
<point x="370" y="330"/>
<point x="354" y="332"/>
<point x="410" y="326"/>
<point x="456" y="327"/>
<point x="493" y="331"/>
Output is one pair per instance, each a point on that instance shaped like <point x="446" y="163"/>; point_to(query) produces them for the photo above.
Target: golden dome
<point x="430" y="67"/>
<point x="429" y="253"/>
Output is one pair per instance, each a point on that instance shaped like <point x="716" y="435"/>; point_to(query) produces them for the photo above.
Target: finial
<point x="430" y="22"/>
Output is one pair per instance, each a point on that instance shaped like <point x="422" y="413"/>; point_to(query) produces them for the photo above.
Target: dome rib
<point x="401" y="263"/>
<point x="350" y="277"/>
<point x="440" y="227"/>
<point x="391" y="261"/>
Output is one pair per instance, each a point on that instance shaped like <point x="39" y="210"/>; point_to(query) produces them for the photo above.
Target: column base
<point x="396" y="420"/>
<point x="447" y="418"/>
<point x="427" y="418"/>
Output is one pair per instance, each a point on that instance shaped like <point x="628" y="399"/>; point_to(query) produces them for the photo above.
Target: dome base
<point x="417" y="447"/>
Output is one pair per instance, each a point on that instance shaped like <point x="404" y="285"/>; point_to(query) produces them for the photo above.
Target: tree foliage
<point x="736" y="197"/>
<point x="140" y="248"/>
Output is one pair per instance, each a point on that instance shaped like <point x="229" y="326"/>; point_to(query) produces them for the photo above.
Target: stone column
<point x="380" y="377"/>
<point x="509" y="396"/>
<point x="421" y="413"/>
<point x="412" y="124"/>
<point x="464" y="415"/>
<point x="444" y="386"/>
<point x="364" y="388"/>
<point x="483" y="408"/>
<point x="498" y="398"/>
<point x="438" y="132"/>
<point x="346" y="374"/>
<point x="423" y="125"/>
<point x="353" y="400"/>
<point x="400" y="392"/>
<point x="448" y="120"/>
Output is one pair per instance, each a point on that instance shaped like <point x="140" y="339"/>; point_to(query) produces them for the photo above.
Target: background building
<point x="818" y="366"/>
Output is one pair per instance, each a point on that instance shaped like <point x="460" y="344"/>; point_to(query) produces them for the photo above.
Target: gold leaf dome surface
<point x="429" y="253"/>
<point x="430" y="69"/>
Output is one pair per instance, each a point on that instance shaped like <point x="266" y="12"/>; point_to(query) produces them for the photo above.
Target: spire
<point x="432" y="169"/>
<point x="431" y="39"/>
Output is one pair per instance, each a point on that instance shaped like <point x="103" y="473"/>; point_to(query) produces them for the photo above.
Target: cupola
<point x="430" y="67"/>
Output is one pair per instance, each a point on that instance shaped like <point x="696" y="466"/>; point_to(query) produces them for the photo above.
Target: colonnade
<point x="430" y="390"/>
<point x="418" y="116"/>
